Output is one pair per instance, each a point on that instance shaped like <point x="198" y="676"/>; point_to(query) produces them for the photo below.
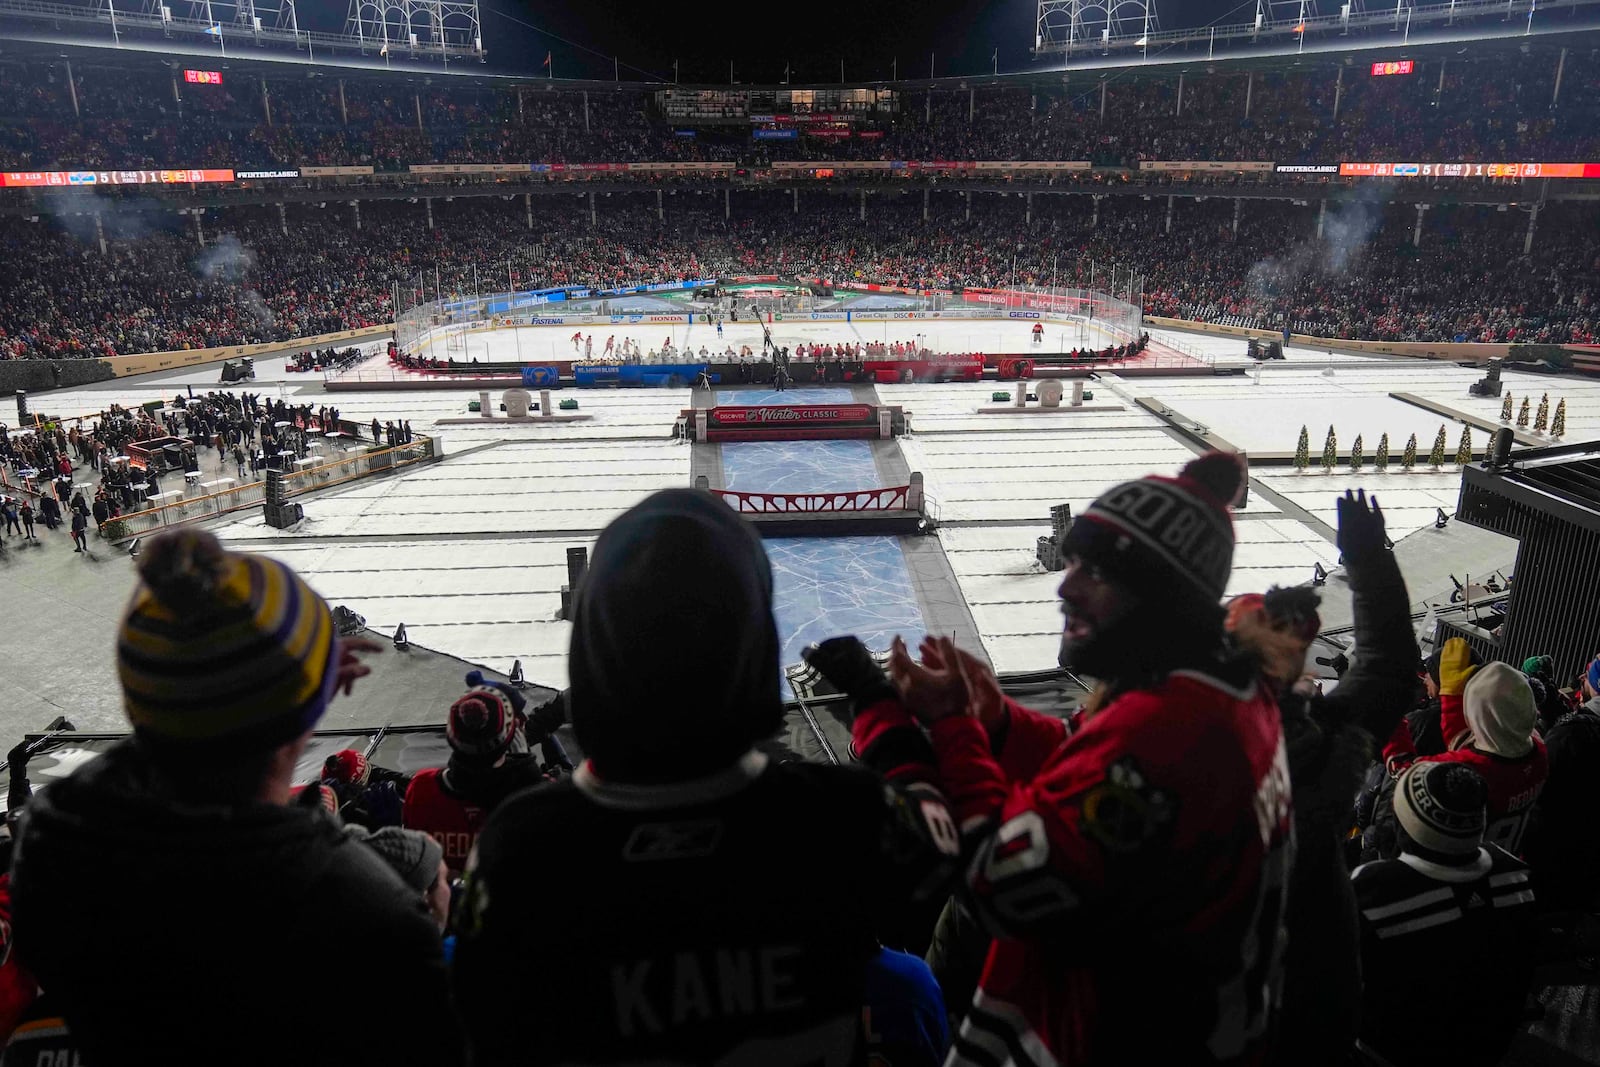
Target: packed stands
<point x="261" y="279"/>
<point x="1485" y="106"/>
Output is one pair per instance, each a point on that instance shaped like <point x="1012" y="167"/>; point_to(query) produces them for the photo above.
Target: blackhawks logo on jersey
<point x="1125" y="810"/>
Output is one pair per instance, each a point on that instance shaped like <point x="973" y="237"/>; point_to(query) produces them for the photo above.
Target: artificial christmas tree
<point x="1381" y="460"/>
<point x="1522" y="415"/>
<point x="1302" y="451"/>
<point x="1355" y="454"/>
<point x="1541" y="420"/>
<point x="1558" y="425"/>
<point x="1436" y="456"/>
<point x="1330" y="451"/>
<point x="1505" y="408"/>
<point x="1409" y="458"/>
<point x="1464" y="449"/>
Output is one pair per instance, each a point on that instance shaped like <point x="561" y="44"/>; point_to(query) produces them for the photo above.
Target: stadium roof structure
<point x="83" y="29"/>
<point x="385" y="30"/>
<point x="1066" y="27"/>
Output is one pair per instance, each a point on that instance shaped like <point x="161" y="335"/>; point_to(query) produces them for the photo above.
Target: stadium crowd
<point x="628" y="873"/>
<point x="1485" y="107"/>
<point x="262" y="279"/>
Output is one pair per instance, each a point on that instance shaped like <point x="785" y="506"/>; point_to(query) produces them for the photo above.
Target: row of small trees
<point x="1380" y="459"/>
<point x="1558" y="425"/>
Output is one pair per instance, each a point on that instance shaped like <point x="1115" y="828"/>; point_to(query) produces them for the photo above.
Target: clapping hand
<point x="946" y="682"/>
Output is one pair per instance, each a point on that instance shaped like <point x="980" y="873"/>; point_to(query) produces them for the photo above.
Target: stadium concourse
<point x="469" y="552"/>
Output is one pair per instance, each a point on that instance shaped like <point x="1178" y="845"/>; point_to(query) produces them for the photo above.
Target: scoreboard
<point x="203" y="77"/>
<point x="1469" y="170"/>
<point x="1393" y="66"/>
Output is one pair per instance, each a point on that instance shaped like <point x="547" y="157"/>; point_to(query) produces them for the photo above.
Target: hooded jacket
<point x="168" y="933"/>
<point x="1492" y="730"/>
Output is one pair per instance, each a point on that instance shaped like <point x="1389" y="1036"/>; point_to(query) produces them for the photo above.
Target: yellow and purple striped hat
<point x="222" y="647"/>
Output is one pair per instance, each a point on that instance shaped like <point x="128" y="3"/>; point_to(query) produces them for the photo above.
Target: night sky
<point x="583" y="35"/>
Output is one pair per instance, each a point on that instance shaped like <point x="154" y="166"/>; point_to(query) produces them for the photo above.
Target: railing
<point x="893" y="498"/>
<point x="349" y="466"/>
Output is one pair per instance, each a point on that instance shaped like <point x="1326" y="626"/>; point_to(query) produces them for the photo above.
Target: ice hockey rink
<point x="469" y="552"/>
<point x="532" y="343"/>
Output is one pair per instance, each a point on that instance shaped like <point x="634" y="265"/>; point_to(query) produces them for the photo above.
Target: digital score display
<point x="1393" y="66"/>
<point x="26" y="179"/>
<point x="1469" y="170"/>
<point x="214" y="77"/>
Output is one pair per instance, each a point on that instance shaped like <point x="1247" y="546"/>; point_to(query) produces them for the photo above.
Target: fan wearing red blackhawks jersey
<point x="1489" y="722"/>
<point x="1133" y="873"/>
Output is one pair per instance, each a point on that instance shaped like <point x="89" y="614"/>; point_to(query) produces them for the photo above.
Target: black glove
<point x="1361" y="529"/>
<point x="849" y="667"/>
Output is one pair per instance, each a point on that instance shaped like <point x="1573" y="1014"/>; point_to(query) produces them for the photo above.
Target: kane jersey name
<point x="651" y="996"/>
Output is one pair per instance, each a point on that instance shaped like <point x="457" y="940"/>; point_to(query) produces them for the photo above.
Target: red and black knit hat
<point x="482" y="725"/>
<point x="1165" y="535"/>
<point x="347" y="767"/>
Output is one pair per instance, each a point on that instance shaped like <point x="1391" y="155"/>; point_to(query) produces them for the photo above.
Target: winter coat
<point x="1563" y="842"/>
<point x="176" y="933"/>
<point x="1330" y="743"/>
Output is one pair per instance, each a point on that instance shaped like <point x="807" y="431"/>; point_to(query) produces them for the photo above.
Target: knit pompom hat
<point x="1442" y="807"/>
<point x="1166" y="536"/>
<point x="222" y="648"/>
<point x="482" y="724"/>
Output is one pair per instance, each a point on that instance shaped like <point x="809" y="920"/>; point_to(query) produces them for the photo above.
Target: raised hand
<point x="1361" y="527"/>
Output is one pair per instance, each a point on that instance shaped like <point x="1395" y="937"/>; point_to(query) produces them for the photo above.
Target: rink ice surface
<point x="470" y="552"/>
<point x="533" y="343"/>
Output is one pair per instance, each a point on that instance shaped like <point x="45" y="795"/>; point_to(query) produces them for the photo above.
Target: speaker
<point x="276" y="494"/>
<point x="22" y="406"/>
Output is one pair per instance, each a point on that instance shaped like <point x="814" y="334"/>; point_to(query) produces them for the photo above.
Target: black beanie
<point x="674" y="659"/>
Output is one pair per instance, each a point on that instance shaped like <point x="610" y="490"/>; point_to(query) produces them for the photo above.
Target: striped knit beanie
<point x="1165" y="536"/>
<point x="1442" y="807"/>
<point x="482" y="724"/>
<point x="223" y="649"/>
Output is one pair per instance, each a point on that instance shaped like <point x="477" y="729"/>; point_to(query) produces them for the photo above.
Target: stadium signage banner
<point x="789" y="415"/>
<point x="1033" y="166"/>
<point x="1393" y="66"/>
<point x="789" y="134"/>
<point x="334" y="172"/>
<point x="63" y="178"/>
<point x="470" y="168"/>
<point x="1469" y="170"/>
<point x="203" y="77"/>
<point x="679" y="168"/>
<point x="252" y="175"/>
<point x="1204" y="165"/>
<point x="1308" y="168"/>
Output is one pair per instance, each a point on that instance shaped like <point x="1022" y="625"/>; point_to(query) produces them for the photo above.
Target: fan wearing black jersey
<point x="716" y="905"/>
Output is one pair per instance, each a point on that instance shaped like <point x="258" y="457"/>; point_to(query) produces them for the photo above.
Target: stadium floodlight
<point x="1063" y="26"/>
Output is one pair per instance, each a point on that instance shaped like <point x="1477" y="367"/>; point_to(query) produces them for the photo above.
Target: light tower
<point x="442" y="29"/>
<point x="1068" y="26"/>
